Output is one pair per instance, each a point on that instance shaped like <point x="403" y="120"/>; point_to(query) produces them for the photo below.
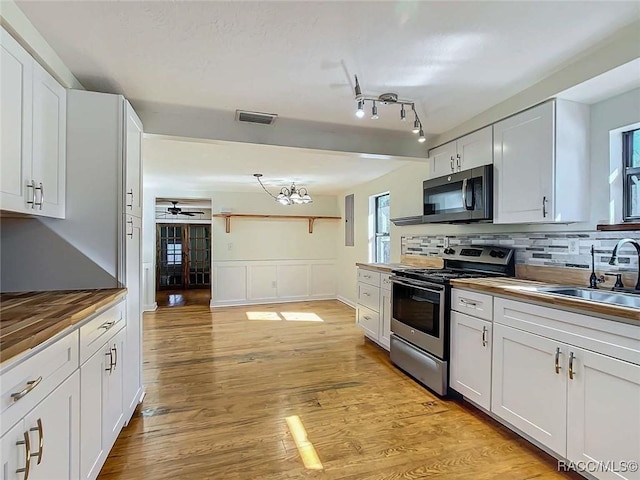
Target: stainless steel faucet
<point x="614" y="255"/>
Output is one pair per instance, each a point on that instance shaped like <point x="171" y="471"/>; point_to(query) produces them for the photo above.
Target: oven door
<point x="418" y="314"/>
<point x="460" y="197"/>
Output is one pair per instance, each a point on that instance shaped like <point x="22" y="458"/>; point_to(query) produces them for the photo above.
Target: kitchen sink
<point x="600" y="296"/>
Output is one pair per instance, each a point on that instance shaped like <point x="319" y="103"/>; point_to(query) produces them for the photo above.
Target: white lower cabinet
<point x="471" y="342"/>
<point x="102" y="410"/>
<point x="50" y="433"/>
<point x="603" y="418"/>
<point x="526" y="390"/>
<point x="373" y="311"/>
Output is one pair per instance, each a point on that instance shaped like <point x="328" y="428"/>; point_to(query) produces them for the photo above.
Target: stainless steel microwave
<point x="465" y="196"/>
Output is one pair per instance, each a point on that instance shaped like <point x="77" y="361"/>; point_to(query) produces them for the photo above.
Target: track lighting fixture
<point x="288" y="196"/>
<point x="388" y="99"/>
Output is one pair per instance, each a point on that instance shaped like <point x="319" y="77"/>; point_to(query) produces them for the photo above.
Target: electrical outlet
<point x="274" y="284"/>
<point x="574" y="246"/>
<point x="229" y="246"/>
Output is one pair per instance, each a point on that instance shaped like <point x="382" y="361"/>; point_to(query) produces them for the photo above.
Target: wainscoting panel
<point x="272" y="281"/>
<point x="148" y="288"/>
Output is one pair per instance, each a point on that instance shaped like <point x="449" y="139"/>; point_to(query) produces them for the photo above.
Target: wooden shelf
<point x="618" y="227"/>
<point x="311" y="218"/>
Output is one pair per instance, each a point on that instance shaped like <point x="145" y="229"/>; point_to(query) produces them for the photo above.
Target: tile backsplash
<point x="551" y="249"/>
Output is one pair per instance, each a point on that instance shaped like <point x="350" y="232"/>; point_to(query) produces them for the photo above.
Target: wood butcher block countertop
<point x="526" y="290"/>
<point x="28" y="319"/>
<point x="382" y="267"/>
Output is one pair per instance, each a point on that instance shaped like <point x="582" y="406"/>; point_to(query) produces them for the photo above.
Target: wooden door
<point x="183" y="256"/>
<point x="527" y="389"/>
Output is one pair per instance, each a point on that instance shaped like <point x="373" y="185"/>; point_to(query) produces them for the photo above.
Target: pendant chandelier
<point x="288" y="196"/>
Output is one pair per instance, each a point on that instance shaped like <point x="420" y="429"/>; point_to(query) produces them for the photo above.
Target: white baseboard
<point x="346" y="301"/>
<point x="150" y="308"/>
<point x="239" y="303"/>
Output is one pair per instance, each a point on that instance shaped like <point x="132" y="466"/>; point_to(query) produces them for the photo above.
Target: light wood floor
<point x="221" y="386"/>
<point x="183" y="298"/>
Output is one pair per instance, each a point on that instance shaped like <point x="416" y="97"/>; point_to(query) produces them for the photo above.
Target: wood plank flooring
<point x="221" y="386"/>
<point x="183" y="298"/>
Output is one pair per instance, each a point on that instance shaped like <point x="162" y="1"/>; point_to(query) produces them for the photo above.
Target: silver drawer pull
<point x="27" y="462"/>
<point x="571" y="370"/>
<point x="30" y="386"/>
<point x="366" y="276"/>
<point x="557" y="360"/>
<point x="130" y="206"/>
<point x="107" y="325"/>
<point x="40" y="440"/>
<point x="468" y="303"/>
<point x="366" y="294"/>
<point x="366" y="317"/>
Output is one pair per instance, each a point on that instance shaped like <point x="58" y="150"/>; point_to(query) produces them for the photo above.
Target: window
<point x="382" y="243"/>
<point x="631" y="180"/>
<point x="174" y="254"/>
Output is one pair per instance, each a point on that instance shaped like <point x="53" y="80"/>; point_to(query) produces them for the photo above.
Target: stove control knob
<point x="493" y="253"/>
<point x="497" y="253"/>
<point x="449" y="251"/>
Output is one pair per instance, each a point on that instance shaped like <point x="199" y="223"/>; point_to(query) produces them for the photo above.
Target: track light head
<point x="360" y="110"/>
<point x="403" y="114"/>
<point x="357" y="88"/>
<point x="422" y="138"/>
<point x="416" y="126"/>
<point x="374" y="111"/>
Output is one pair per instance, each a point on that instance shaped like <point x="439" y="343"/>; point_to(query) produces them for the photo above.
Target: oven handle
<point x="420" y="286"/>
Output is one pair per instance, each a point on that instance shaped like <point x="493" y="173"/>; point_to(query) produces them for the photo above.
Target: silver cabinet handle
<point x="41" y="203"/>
<point x="32" y="202"/>
<point x="30" y="386"/>
<point x="452" y="167"/>
<point x="109" y="354"/>
<point x="458" y="161"/>
<point x="484" y="336"/>
<point x="366" y="294"/>
<point x="27" y="462"/>
<point x="571" y="372"/>
<point x="107" y="325"/>
<point x="468" y="303"/>
<point x="544" y="207"/>
<point x="557" y="360"/>
<point x="130" y="234"/>
<point x="130" y="205"/>
<point x="366" y="276"/>
<point x="366" y="317"/>
<point x="40" y="440"/>
<point x="115" y="356"/>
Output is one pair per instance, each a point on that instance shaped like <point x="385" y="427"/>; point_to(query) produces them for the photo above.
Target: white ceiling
<point x="192" y="166"/>
<point x="297" y="59"/>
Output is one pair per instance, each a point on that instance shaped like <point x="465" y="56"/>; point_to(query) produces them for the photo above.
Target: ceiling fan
<point x="175" y="210"/>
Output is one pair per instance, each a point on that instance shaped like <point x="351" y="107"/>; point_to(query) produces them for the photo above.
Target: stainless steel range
<point x="420" y="307"/>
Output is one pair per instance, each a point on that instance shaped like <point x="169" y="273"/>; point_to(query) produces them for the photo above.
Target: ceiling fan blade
<point x="189" y="214"/>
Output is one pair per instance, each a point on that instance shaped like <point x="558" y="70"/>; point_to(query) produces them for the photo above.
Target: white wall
<point x="405" y="186"/>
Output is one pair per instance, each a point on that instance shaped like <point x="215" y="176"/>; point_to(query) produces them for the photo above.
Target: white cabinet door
<point x="133" y="163"/>
<point x="475" y="149"/>
<point x="13" y="454"/>
<point x="49" y="143"/>
<point x="16" y="76"/>
<point x="524" y="160"/>
<point x="604" y="412"/>
<point x="385" y="318"/>
<point x="113" y="412"/>
<point x="93" y="386"/>
<point x="54" y="429"/>
<point x="527" y="390"/>
<point x="471" y="358"/>
<point x="443" y="160"/>
<point x="368" y="321"/>
<point x="132" y="361"/>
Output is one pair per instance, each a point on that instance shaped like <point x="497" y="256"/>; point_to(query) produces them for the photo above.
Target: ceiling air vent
<point x="255" y="117"/>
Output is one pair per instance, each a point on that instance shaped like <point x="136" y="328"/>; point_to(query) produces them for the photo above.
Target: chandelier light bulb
<point x="360" y="110"/>
<point x="422" y="138"/>
<point x="374" y="111"/>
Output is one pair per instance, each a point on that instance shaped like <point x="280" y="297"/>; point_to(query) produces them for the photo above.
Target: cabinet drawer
<point x="369" y="276"/>
<point x="385" y="281"/>
<point x="94" y="334"/>
<point x="369" y="296"/>
<point x="475" y="304"/>
<point x="369" y="321"/>
<point x="35" y="378"/>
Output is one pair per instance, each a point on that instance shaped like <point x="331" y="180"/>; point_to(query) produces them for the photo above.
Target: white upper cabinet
<point x="133" y="163"/>
<point x="541" y="164"/>
<point x="32" y="150"/>
<point x="16" y="80"/>
<point x="49" y="143"/>
<point x="470" y="151"/>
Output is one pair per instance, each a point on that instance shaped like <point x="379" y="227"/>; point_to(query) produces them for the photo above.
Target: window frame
<point x="376" y="228"/>
<point x="628" y="172"/>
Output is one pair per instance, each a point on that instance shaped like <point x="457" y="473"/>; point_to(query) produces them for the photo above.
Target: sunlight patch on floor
<point x="263" y="316"/>
<point x="301" y="317"/>
<point x="305" y="447"/>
